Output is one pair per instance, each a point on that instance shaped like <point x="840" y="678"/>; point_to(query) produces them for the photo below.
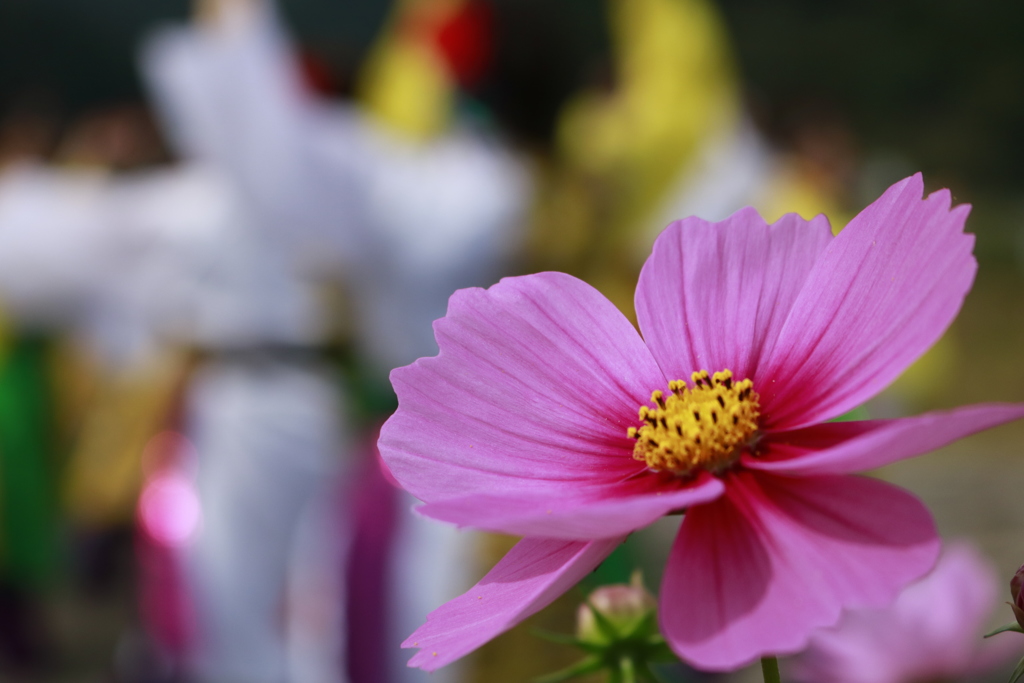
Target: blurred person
<point x="143" y="264"/>
<point x="328" y="176"/>
<point x="396" y="197"/>
<point x="399" y="196"/>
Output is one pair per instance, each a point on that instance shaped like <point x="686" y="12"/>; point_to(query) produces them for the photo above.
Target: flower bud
<point x="623" y="612"/>
<point x="1018" y="597"/>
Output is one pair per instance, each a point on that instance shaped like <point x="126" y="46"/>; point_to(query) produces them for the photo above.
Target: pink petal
<point x="844" y="447"/>
<point x="527" y="579"/>
<point x="573" y="516"/>
<point x="537" y="380"/>
<point x="884" y="291"/>
<point x="716" y="295"/>
<point x="756" y="571"/>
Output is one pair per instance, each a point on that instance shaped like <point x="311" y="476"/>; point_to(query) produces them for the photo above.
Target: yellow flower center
<point x="706" y="427"/>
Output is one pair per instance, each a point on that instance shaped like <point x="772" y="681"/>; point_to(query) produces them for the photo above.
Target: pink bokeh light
<point x="169" y="509"/>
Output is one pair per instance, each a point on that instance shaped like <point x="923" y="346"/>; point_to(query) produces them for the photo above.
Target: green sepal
<point x="648" y="624"/>
<point x="1015" y="627"/>
<point x="604" y="625"/>
<point x="623" y="648"/>
<point x="1018" y="672"/>
<point x="587" y="665"/>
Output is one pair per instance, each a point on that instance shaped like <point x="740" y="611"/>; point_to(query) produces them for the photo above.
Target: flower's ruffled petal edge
<point x="635" y="505"/>
<point x="880" y="295"/>
<point x="528" y="578"/>
<point x="755" y="572"/>
<point x="537" y="381"/>
<point x="716" y="295"/>
<point x="844" y="447"/>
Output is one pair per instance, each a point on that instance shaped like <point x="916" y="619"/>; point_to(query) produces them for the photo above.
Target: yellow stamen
<point x="706" y="427"/>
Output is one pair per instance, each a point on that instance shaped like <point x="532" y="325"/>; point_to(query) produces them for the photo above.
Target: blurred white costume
<point x="173" y="257"/>
<point x="404" y="224"/>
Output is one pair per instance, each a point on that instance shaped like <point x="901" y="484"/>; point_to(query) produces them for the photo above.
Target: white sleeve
<point x="54" y="244"/>
<point x="232" y="95"/>
<point x="446" y="216"/>
<point x="229" y="92"/>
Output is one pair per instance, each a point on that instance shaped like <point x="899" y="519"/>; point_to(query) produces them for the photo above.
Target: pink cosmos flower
<point x="546" y="415"/>
<point x="932" y="632"/>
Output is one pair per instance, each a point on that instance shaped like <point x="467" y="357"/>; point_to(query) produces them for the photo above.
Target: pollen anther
<point x="706" y="427"/>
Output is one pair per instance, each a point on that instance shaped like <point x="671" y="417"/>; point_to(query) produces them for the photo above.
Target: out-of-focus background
<point x="222" y="223"/>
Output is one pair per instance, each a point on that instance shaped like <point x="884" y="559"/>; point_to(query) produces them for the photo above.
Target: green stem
<point x="627" y="669"/>
<point x="770" y="669"/>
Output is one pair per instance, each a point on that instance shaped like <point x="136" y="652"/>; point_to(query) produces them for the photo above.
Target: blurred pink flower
<point x="932" y="632"/>
<point x="526" y="423"/>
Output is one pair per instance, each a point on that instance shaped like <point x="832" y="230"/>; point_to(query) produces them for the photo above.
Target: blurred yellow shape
<point x="405" y="84"/>
<point x="790" y="191"/>
<point x="104" y="472"/>
<point x="620" y="152"/>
